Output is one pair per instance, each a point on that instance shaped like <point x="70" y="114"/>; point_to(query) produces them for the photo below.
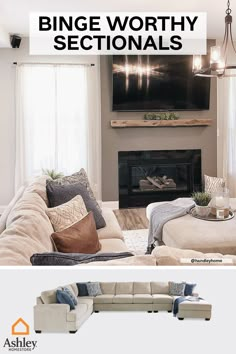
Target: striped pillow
<point x="213" y="184"/>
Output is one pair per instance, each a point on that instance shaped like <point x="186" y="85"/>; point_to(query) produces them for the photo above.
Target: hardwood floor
<point x="132" y="219"/>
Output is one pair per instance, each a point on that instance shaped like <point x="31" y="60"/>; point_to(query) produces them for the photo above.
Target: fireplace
<point x="152" y="176"/>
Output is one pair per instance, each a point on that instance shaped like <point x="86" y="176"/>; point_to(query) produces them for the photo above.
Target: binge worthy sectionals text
<point x="117" y="33"/>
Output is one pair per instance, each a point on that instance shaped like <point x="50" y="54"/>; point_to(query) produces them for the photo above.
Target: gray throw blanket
<point x="160" y="215"/>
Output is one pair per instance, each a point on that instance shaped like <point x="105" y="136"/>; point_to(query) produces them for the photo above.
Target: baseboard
<point x="2" y="208"/>
<point x="112" y="205"/>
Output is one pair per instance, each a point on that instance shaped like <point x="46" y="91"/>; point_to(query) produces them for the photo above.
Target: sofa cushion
<point x="142" y="299"/>
<point x="63" y="297"/>
<point x="112" y="245"/>
<point x="162" y="299"/>
<point x="67" y="214"/>
<point x="7" y="210"/>
<point x="38" y="185"/>
<point x="123" y="299"/>
<point x="79" y="311"/>
<point x="142" y="288"/>
<point x="103" y="299"/>
<point x="49" y="296"/>
<point x="176" y="289"/>
<point x="201" y="305"/>
<point x="160" y="287"/>
<point x="108" y="288"/>
<point x="78" y="177"/>
<point x="82" y="289"/>
<point x="112" y="228"/>
<point x="124" y="288"/>
<point x="28" y="231"/>
<point x="94" y="289"/>
<point x="81" y="237"/>
<point x="60" y="194"/>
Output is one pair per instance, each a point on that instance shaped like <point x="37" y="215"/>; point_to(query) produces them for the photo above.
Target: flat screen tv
<point x="158" y="83"/>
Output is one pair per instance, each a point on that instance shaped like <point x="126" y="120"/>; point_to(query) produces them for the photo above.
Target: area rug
<point x="136" y="240"/>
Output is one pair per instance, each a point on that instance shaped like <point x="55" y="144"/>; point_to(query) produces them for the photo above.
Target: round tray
<point x="210" y="217"/>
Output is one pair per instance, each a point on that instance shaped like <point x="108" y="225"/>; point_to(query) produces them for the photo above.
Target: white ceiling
<point x="14" y="13"/>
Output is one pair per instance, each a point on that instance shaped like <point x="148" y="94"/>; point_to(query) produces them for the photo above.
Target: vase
<point x="203" y="211"/>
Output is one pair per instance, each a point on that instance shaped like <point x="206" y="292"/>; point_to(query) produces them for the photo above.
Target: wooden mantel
<point x="138" y="123"/>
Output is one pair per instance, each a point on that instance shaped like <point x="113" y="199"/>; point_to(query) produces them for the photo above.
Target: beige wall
<point x="114" y="140"/>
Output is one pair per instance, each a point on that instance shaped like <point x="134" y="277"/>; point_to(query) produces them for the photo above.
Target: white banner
<point x="163" y="33"/>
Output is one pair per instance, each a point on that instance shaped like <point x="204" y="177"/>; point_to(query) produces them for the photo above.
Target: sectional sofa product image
<point x="66" y="308"/>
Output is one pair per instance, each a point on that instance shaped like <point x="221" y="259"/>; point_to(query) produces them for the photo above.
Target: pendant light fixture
<point x="218" y="54"/>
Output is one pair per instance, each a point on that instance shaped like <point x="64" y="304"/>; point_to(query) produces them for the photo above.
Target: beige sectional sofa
<point x="50" y="316"/>
<point x="26" y="229"/>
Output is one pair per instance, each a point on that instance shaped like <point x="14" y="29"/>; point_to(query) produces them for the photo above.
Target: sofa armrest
<point x="51" y="317"/>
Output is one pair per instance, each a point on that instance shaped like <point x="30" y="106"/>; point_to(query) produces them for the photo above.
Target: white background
<point x="125" y="332"/>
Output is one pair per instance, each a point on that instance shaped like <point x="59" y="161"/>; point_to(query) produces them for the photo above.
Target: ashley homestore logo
<point x="20" y="329"/>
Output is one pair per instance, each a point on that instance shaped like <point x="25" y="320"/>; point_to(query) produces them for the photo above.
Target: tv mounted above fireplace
<point x="158" y="83"/>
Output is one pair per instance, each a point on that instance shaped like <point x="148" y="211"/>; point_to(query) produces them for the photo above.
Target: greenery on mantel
<point x="161" y="116"/>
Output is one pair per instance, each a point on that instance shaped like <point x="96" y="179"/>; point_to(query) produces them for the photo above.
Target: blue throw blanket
<point x="178" y="301"/>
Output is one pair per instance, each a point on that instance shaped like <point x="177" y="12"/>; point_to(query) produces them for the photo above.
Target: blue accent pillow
<point x="188" y="291"/>
<point x="72" y="296"/>
<point x="64" y="298"/>
<point x="82" y="289"/>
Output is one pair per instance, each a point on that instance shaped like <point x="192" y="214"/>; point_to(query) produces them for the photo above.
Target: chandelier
<point x="218" y="54"/>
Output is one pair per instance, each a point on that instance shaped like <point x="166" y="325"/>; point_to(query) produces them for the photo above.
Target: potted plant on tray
<point x="202" y="200"/>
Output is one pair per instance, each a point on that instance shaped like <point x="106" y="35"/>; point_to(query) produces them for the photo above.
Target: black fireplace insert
<point x="158" y="175"/>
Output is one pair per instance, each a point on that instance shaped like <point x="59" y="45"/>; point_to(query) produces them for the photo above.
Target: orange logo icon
<point x="20" y="327"/>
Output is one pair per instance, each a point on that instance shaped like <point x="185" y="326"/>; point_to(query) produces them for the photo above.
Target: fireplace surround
<point x="157" y="175"/>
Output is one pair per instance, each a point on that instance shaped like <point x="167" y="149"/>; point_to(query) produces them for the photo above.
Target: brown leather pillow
<point x="81" y="237"/>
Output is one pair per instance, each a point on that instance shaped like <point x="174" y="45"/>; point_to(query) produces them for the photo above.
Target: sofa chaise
<point x="50" y="316"/>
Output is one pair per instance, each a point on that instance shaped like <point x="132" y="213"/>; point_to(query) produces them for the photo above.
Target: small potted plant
<point x="202" y="200"/>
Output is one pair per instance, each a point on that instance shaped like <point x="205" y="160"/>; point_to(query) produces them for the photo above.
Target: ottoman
<point x="194" y="309"/>
<point x="190" y="233"/>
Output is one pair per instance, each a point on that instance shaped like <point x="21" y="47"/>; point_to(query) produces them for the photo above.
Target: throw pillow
<point x="60" y="194"/>
<point x="78" y="177"/>
<point x="72" y="296"/>
<point x="188" y="291"/>
<point x="81" y="237"/>
<point x="212" y="184"/>
<point x="64" y="298"/>
<point x="94" y="289"/>
<point x="176" y="289"/>
<point x="67" y="214"/>
<point x="82" y="289"/>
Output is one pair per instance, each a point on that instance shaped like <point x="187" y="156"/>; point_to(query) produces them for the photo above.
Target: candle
<point x="219" y="202"/>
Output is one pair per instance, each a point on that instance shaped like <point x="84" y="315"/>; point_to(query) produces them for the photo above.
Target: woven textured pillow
<point x="67" y="214"/>
<point x="212" y="184"/>
<point x="78" y="177"/>
<point x="176" y="289"/>
<point x="94" y="289"/>
<point x="72" y="296"/>
<point x="64" y="298"/>
<point x="60" y="194"/>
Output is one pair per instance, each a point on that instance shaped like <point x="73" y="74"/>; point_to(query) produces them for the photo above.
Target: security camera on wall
<point x="15" y="41"/>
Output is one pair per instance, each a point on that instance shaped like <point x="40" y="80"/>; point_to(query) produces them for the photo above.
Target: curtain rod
<point x="82" y="64"/>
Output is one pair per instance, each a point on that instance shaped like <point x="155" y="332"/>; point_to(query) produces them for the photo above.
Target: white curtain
<point x="57" y="121"/>
<point x="226" y="140"/>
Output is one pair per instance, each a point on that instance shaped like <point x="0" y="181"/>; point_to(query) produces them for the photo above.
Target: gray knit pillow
<point x="176" y="289"/>
<point x="94" y="289"/>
